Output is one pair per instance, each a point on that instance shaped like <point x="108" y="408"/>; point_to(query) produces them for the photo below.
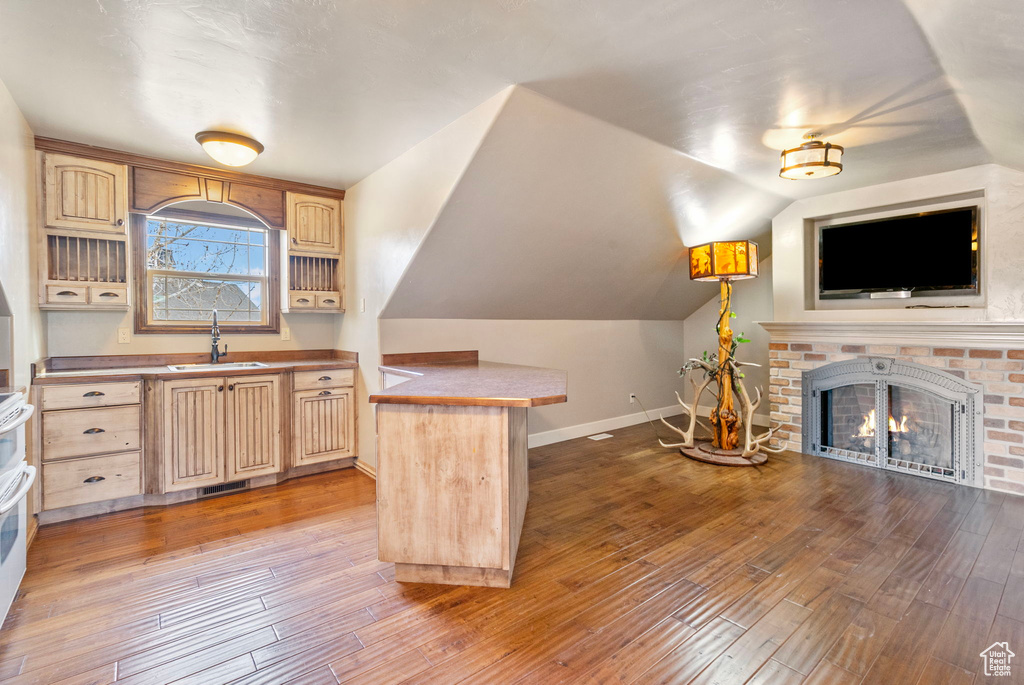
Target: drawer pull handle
<point x="94" y="393"/>
<point x="93" y="431"/>
<point x="328" y="301"/>
<point x="325" y="392"/>
<point x="65" y="293"/>
<point x="324" y="378"/>
<point x="109" y="294"/>
<point x="93" y="479"/>
<point x="303" y="300"/>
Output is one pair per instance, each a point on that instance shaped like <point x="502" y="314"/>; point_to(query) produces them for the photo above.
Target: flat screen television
<point x="932" y="253"/>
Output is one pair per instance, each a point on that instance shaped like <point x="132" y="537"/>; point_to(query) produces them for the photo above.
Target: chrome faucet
<point x="216" y="355"/>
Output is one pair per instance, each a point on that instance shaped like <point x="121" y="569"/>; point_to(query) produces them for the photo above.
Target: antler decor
<point x="723" y="262"/>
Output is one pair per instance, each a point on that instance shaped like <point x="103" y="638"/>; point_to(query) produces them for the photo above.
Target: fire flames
<point x="867" y="429"/>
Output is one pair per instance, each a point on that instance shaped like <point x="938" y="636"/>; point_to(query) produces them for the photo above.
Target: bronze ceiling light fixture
<point x="230" y="149"/>
<point x="813" y="159"/>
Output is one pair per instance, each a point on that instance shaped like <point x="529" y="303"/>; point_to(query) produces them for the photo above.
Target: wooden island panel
<point x="452" y="483"/>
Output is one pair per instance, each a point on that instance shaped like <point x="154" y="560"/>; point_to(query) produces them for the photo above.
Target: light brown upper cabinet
<point x="314" y="224"/>
<point x="253" y="426"/>
<point x="85" y="194"/>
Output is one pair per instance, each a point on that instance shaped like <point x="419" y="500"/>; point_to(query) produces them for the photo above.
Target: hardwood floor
<point x="636" y="566"/>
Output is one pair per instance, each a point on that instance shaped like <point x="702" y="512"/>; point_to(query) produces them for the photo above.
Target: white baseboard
<point x="366" y="468"/>
<point x="610" y="424"/>
<point x="584" y="429"/>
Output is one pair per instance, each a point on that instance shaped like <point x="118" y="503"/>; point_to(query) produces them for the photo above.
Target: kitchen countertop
<point x="161" y="372"/>
<point x="474" y="383"/>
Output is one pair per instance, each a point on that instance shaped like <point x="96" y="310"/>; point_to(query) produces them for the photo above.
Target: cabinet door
<point x="314" y="224"/>
<point x="253" y="426"/>
<point x="324" y="425"/>
<point x="85" y="194"/>
<point x="193" y="433"/>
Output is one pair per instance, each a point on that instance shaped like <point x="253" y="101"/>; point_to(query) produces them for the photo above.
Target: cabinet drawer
<point x="108" y="295"/>
<point x="326" y="378"/>
<point x="80" y="481"/>
<point x="66" y="293"/>
<point x="87" y="396"/>
<point x="300" y="299"/>
<point x="81" y="432"/>
<point x="328" y="300"/>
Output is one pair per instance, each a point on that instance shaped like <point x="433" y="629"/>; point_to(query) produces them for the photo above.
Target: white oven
<point x="16" y="477"/>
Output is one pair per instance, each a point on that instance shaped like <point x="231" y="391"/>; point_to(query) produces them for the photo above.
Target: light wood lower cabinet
<point x="193" y="433"/>
<point x="95" y="479"/>
<point x="323" y="425"/>
<point x="90" y="436"/>
<point x="220" y="430"/>
<point x="112" y="440"/>
<point x="253" y="426"/>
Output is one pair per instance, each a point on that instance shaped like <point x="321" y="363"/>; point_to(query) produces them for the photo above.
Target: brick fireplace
<point x="994" y="362"/>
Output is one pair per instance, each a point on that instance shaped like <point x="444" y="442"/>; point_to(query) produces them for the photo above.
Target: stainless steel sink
<point x="226" y="366"/>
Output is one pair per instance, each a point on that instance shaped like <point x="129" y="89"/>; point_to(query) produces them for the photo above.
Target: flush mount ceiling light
<point x="813" y="159"/>
<point x="230" y="149"/>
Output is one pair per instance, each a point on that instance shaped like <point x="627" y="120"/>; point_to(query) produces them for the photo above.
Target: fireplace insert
<point x="894" y="415"/>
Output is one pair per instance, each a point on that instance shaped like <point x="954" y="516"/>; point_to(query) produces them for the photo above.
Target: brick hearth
<point x="999" y="372"/>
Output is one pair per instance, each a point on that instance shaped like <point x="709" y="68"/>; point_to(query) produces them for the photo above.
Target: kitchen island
<point x="452" y="482"/>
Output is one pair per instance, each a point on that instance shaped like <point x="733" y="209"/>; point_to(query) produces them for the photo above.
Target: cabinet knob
<point x="94" y="393"/>
<point x="93" y="431"/>
<point x="220" y="388"/>
<point x="325" y="392"/>
<point x="324" y="378"/>
<point x="120" y="222"/>
<point x="93" y="479"/>
<point x="231" y="387"/>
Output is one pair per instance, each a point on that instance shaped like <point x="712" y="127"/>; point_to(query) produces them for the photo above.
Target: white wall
<point x="752" y="302"/>
<point x="1002" y="243"/>
<point x="17" y="247"/>
<point x="95" y="333"/>
<point x="386" y="216"/>
<point x="605" y="360"/>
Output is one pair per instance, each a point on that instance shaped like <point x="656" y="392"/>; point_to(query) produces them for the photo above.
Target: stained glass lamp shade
<point x="725" y="260"/>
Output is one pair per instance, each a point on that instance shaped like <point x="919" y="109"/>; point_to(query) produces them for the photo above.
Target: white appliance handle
<point x="20" y="419"/>
<point x="28" y="475"/>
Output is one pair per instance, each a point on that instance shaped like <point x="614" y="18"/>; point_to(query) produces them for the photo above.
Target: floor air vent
<point x="223" y="487"/>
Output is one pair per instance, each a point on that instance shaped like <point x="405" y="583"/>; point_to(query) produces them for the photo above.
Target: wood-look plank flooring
<point x="636" y="566"/>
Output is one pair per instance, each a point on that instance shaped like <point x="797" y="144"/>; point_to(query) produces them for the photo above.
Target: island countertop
<point x="460" y="378"/>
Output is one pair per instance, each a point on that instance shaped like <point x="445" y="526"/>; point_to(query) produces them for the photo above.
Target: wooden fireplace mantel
<point x="1002" y="334"/>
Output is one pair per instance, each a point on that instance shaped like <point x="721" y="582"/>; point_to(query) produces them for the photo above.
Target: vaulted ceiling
<point x="336" y="88"/>
<point x="639" y="127"/>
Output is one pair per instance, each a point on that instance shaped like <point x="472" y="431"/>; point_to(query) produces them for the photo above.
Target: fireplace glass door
<point x="915" y="427"/>
<point x="920" y="431"/>
<point x="848" y="419"/>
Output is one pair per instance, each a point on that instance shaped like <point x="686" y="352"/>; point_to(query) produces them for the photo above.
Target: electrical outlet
<point x="124" y="336"/>
<point x="286" y="334"/>
<point x="632" y="397"/>
<point x="362" y="304"/>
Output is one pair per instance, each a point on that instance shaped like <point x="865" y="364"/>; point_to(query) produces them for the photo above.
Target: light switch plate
<point x="362" y="304"/>
<point x="286" y="334"/>
<point x="124" y="336"/>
